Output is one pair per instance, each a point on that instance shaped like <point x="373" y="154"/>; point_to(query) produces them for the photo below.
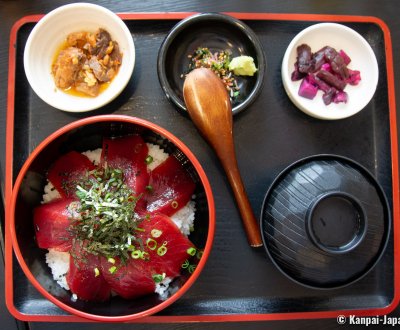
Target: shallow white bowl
<point x="50" y="32"/>
<point x="362" y="58"/>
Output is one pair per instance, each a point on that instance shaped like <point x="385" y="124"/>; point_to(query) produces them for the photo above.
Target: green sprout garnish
<point x="108" y="220"/>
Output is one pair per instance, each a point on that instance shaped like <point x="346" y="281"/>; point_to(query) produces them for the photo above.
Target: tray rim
<point x="8" y="185"/>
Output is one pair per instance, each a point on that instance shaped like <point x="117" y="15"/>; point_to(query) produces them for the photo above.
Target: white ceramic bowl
<point x="362" y="59"/>
<point x="50" y="32"/>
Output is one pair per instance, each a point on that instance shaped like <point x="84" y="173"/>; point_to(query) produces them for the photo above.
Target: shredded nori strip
<point x="108" y="220"/>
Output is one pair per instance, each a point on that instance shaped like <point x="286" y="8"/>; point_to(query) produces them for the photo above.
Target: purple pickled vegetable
<point x="307" y="89"/>
<point x="340" y="97"/>
<point x="331" y="79"/>
<point x="296" y="74"/>
<point x="329" y="96"/>
<point x="336" y="62"/>
<point x="304" y="58"/>
<point x="346" y="58"/>
<point x="318" y="59"/>
<point x="324" y="70"/>
<point x="354" y="77"/>
<point x="326" y="67"/>
<point x="322" y="85"/>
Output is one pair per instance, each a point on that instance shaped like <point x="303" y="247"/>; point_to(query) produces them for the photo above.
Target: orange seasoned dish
<point x="86" y="63"/>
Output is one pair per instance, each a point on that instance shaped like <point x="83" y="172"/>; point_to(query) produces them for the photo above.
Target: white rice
<point x="162" y="287"/>
<point x="50" y="193"/>
<point x="93" y="155"/>
<point x="184" y="219"/>
<point x="59" y="264"/>
<point x="158" y="155"/>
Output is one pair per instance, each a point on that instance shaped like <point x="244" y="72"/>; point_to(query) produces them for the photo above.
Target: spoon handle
<point x="229" y="163"/>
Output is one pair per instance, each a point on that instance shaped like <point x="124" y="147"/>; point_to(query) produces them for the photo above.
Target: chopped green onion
<point x="149" y="188"/>
<point x="96" y="272"/>
<point x="151" y="244"/>
<point x="136" y="254"/>
<point x="185" y="264"/>
<point x="158" y="278"/>
<point x="174" y="204"/>
<point x="199" y="254"/>
<point x="149" y="159"/>
<point x="112" y="269"/>
<point x="191" y="251"/>
<point x="162" y="249"/>
<point x="156" y="233"/>
<point x="111" y="260"/>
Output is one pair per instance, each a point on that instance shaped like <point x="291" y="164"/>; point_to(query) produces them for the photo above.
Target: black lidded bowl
<point x="325" y="221"/>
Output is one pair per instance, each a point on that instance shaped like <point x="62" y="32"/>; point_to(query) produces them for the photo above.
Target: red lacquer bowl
<point x="87" y="134"/>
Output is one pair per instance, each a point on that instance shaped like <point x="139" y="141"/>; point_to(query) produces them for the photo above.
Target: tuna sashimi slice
<point x="132" y="280"/>
<point x="52" y="222"/>
<point x="84" y="277"/>
<point x="67" y="171"/>
<point x="171" y="187"/>
<point x="166" y="245"/>
<point x="129" y="155"/>
<point x="164" y="251"/>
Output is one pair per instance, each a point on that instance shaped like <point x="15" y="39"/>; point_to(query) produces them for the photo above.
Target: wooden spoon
<point x="208" y="104"/>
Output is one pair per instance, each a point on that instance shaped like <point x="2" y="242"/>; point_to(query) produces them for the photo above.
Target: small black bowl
<point x="218" y="32"/>
<point x="325" y="221"/>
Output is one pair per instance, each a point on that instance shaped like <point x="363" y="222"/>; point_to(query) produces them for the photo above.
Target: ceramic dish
<point x="362" y="57"/>
<point x="49" y="34"/>
<point x="325" y="221"/>
<point x="87" y="134"/>
<point x="218" y="32"/>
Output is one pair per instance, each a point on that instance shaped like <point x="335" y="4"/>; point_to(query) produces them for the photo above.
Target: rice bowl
<point x="84" y="135"/>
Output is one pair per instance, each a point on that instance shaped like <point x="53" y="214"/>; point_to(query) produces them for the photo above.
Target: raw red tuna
<point x="171" y="187"/>
<point x="131" y="280"/>
<point x="67" y="171"/>
<point x="165" y="249"/>
<point x="171" y="241"/>
<point x="85" y="277"/>
<point x="129" y="155"/>
<point x="52" y="223"/>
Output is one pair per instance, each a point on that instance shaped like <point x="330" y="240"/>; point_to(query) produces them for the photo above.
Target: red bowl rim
<point x="204" y="181"/>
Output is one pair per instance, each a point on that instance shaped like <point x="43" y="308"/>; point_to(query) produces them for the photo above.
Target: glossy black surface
<point x="83" y="138"/>
<point x="271" y="134"/>
<point x="145" y="99"/>
<point x="218" y="33"/>
<point x="325" y="221"/>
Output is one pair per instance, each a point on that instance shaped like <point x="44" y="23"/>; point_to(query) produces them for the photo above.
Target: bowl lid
<point x="325" y="221"/>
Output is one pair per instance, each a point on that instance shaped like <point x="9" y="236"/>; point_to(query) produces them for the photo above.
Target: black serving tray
<point x="238" y="282"/>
